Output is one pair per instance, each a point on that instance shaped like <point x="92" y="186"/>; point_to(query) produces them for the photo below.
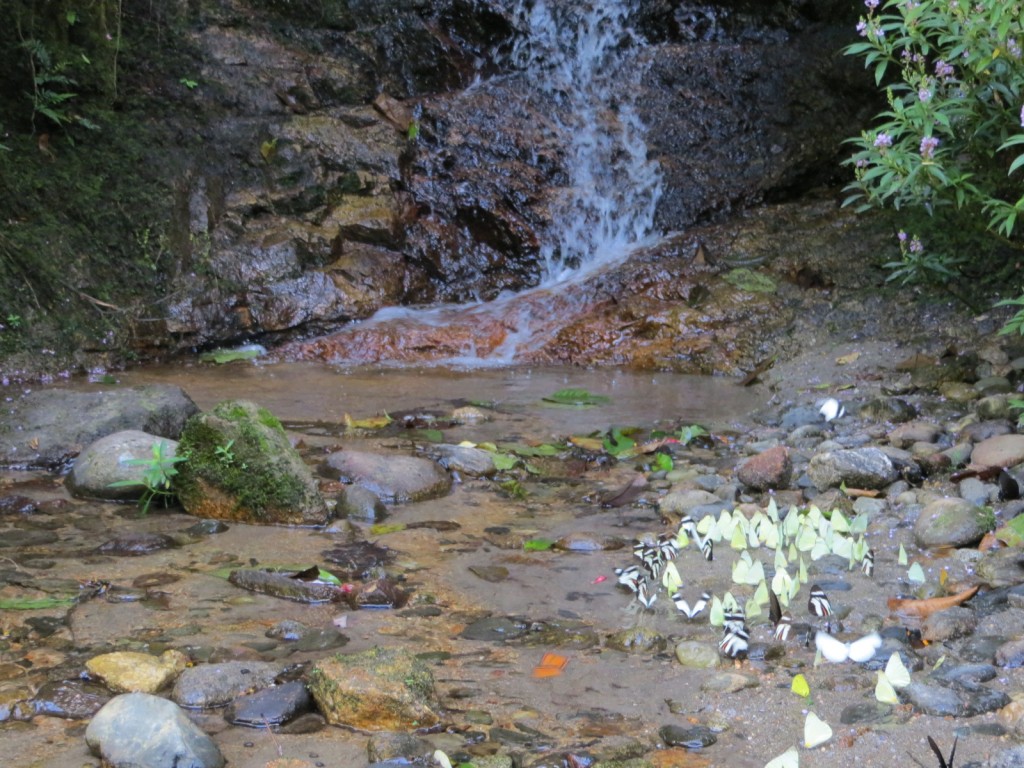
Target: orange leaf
<point x="924" y="608"/>
<point x="855" y="492"/>
<point x="551" y="665"/>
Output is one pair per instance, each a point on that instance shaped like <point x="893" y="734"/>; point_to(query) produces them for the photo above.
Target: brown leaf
<point x="627" y="495"/>
<point x="990" y="541"/>
<point x="924" y="608"/>
<point x="855" y="492"/>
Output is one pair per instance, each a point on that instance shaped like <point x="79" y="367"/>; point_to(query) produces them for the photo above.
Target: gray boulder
<point x="395" y="479"/>
<point x="48" y="427"/>
<point x="856" y="468"/>
<point x="106" y="461"/>
<point x="139" y="730"/>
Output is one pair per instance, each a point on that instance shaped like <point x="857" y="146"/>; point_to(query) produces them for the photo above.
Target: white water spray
<point x="583" y="55"/>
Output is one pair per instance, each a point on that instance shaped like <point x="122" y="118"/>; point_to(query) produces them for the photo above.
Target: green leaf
<point x="504" y="462"/>
<point x="1013" y="532"/>
<point x="382" y="529"/>
<point x="538" y="545"/>
<point x="576" y="398"/>
<point x="33" y="603"/>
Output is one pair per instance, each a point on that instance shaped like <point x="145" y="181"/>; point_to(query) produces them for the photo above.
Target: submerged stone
<point x="383" y="689"/>
<point x="131" y="672"/>
<point x="214" y="685"/>
<point x="275" y="705"/>
<point x="395" y="479"/>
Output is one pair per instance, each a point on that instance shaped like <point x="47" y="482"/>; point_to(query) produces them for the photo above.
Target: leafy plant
<point x="575" y="398"/>
<point x="51" y="87"/>
<point x="189" y="83"/>
<point x="158" y="473"/>
<point x="690" y="433"/>
<point x="224" y="453"/>
<point x="954" y="81"/>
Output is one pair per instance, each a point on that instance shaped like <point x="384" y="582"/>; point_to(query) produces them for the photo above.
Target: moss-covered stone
<point x="242" y="467"/>
<point x="383" y="689"/>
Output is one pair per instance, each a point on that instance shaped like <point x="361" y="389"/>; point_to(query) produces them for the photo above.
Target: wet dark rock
<point x="799" y="417"/>
<point x="356" y="502"/>
<point x="983" y="430"/>
<point x="867" y="468"/>
<point x="47" y="427"/>
<point x="949" y="624"/>
<point x="396" y="479"/>
<point x="1002" y="567"/>
<point x="134" y="544"/>
<point x="466" y="460"/>
<point x="17" y="505"/>
<point x="310" y="722"/>
<point x="770" y="469"/>
<point x="285" y="584"/>
<point x="1011" y="654"/>
<point x="636" y="640"/>
<point x="491" y="573"/>
<point x="140" y="729"/>
<point x="359" y="560"/>
<point x="891" y="409"/>
<point x="968" y="676"/>
<point x="933" y="699"/>
<point x="951" y="522"/>
<point x="867" y="713"/>
<point x="214" y="685"/>
<point x="108" y="460"/>
<point x="561" y="633"/>
<point x="391" y="745"/>
<point x="692" y="737"/>
<point x="271" y="706"/>
<point x="207" y="528"/>
<point x="981" y="648"/>
<point x="262" y="479"/>
<point x="70" y="699"/>
<point x="495" y="628"/>
<point x="384" y="689"/>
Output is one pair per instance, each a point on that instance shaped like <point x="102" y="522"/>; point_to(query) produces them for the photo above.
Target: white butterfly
<point x="630" y="577"/>
<point x="816" y="731"/>
<point x="896" y="671"/>
<point x="646" y="600"/>
<point x="837" y="651"/>
<point x="884" y="691"/>
<point x="788" y="759"/>
<point x="832" y="409"/>
<point x="686" y="609"/>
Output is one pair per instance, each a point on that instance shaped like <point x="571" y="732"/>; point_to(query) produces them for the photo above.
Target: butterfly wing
<point x="832" y="649"/>
<point x="864" y="649"/>
<point x="818" y="603"/>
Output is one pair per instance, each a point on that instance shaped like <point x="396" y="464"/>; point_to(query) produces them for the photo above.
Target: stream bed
<point x="477" y="601"/>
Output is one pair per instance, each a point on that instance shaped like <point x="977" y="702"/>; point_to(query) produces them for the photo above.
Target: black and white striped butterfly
<point x="650" y="557"/>
<point x="707" y="549"/>
<point x="868" y="564"/>
<point x="646" y="595"/>
<point x="832" y="409"/>
<point x="783" y="621"/>
<point x="630" y="576"/>
<point x="735" y="643"/>
<point x="687" y="526"/>
<point x="688" y="610"/>
<point x="735" y="620"/>
<point x="668" y="547"/>
<point x="818" y="603"/>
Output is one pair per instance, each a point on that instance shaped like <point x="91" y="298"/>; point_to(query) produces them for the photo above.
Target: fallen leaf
<point x="855" y="492"/>
<point x="847" y="359"/>
<point x="924" y="608"/>
<point x="627" y="495"/>
<point x="990" y="541"/>
<point x="551" y="665"/>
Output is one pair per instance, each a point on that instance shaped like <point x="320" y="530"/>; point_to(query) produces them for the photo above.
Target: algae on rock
<point x="242" y="467"/>
<point x="385" y="689"/>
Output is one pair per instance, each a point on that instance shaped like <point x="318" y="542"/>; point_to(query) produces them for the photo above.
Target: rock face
<point x="47" y="427"/>
<point x="242" y="467"/>
<point x="394" y="479"/>
<point x="384" y="689"/>
<point x="106" y="461"/>
<point x="137" y="729"/>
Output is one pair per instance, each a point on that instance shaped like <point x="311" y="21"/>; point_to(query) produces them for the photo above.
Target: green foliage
<point x="575" y="398"/>
<point x="954" y="81"/>
<point x="158" y="473"/>
<point x="189" y="83"/>
<point x="690" y="433"/>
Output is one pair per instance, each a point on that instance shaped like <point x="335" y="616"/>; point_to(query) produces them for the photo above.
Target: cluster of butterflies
<point x="656" y="567"/>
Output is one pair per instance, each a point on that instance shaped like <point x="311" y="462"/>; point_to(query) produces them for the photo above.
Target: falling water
<point x="583" y="56"/>
<point x="577" y="62"/>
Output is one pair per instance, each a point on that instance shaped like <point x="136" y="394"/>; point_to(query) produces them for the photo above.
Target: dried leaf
<point x="551" y="665"/>
<point x="847" y="359"/>
<point x="924" y="608"/>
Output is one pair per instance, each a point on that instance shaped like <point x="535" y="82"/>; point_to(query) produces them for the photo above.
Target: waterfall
<point x="577" y="63"/>
<point x="583" y="56"/>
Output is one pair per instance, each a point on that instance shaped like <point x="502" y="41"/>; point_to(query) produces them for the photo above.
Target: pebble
<point x="692" y="653"/>
<point x="729" y="682"/>
<point x="999" y="451"/>
<point x="135" y="544"/>
<point x="769" y="469"/>
<point x="949" y="624"/>
<point x="271" y="706"/>
<point x="693" y="737"/>
<point x="951" y="522"/>
<point x="214" y="685"/>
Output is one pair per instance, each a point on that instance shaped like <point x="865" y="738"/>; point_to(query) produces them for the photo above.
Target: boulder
<point x="138" y="730"/>
<point x="395" y="479"/>
<point x="771" y="469"/>
<point x="952" y="522"/>
<point x="242" y="467"/>
<point x="856" y="467"/>
<point x="48" y="427"/>
<point x="132" y="672"/>
<point x="999" y="451"/>
<point x="109" y="460"/>
<point x="382" y="689"/>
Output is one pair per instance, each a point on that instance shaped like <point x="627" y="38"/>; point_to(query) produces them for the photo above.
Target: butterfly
<point x="816" y="731"/>
<point x="943" y="762"/>
<point x="688" y="610"/>
<point x="646" y="598"/>
<point x="735" y="642"/>
<point x="707" y="549"/>
<point x="838" y="651"/>
<point x="668" y="547"/>
<point x="783" y="621"/>
<point x="630" y="577"/>
<point x="818" y="603"/>
<point x="832" y="409"/>
<point x="735" y="620"/>
<point x="868" y="564"/>
<point x="687" y="526"/>
<point x="788" y="759"/>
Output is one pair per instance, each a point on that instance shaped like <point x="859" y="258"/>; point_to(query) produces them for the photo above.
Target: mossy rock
<point x="383" y="689"/>
<point x="748" y="280"/>
<point x="242" y="467"/>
